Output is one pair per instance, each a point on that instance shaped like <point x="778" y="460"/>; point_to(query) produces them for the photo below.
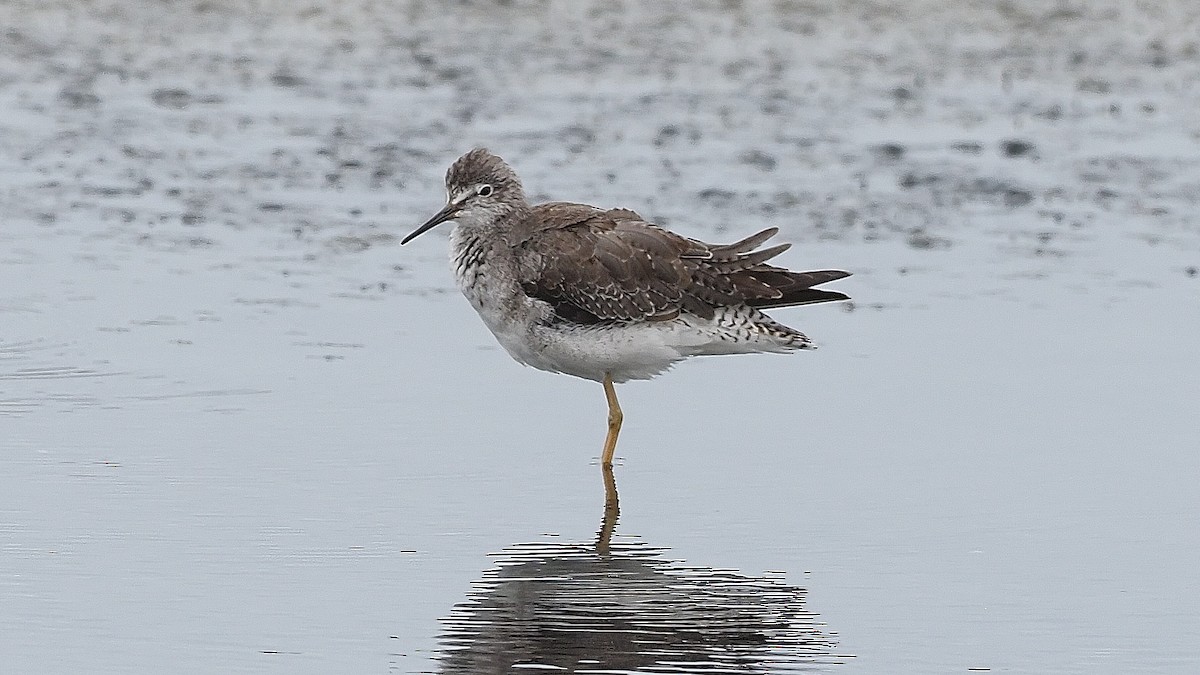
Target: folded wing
<point x="596" y="266"/>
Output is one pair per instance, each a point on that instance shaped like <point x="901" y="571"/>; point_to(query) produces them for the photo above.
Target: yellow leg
<point x="615" y="416"/>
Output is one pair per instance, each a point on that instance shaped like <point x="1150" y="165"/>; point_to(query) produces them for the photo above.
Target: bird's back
<point x="597" y="266"/>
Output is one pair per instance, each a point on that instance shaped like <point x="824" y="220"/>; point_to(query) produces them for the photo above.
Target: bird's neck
<point x="481" y="253"/>
<point x="471" y="253"/>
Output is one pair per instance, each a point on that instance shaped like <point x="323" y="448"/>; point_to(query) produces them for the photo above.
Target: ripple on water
<point x="29" y="386"/>
<point x="625" y="607"/>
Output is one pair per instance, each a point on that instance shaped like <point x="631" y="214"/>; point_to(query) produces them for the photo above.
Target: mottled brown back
<point x="598" y="266"/>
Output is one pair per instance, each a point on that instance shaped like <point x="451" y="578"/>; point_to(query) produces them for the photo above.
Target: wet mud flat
<point x="243" y="431"/>
<point x="173" y="124"/>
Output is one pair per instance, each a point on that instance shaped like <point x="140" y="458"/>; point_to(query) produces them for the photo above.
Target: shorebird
<point x="602" y="294"/>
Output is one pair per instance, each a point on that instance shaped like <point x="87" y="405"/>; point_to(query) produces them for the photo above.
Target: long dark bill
<point x="448" y="211"/>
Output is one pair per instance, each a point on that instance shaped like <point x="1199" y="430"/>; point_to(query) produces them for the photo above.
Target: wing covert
<point x="596" y="266"/>
<point x="606" y="265"/>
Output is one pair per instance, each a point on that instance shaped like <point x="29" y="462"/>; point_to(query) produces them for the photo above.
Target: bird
<point x="605" y="295"/>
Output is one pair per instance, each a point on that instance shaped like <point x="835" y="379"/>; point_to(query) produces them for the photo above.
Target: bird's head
<point x="480" y="188"/>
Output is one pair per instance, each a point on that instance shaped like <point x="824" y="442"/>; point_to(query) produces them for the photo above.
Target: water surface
<point x="241" y="430"/>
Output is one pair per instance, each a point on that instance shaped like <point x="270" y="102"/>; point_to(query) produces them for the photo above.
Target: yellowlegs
<point x="603" y="294"/>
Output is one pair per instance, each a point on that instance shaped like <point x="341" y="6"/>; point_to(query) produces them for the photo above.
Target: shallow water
<point x="241" y="430"/>
<point x="616" y="603"/>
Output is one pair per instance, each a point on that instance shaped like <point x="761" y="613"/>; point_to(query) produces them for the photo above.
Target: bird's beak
<point x="448" y="212"/>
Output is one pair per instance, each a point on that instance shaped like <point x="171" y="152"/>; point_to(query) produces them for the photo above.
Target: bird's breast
<point x="485" y="276"/>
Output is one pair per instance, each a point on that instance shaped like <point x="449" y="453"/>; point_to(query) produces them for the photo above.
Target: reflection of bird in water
<point x="621" y="606"/>
<point x="605" y="295"/>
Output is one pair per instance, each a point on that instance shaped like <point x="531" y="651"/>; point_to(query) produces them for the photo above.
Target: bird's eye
<point x="485" y="191"/>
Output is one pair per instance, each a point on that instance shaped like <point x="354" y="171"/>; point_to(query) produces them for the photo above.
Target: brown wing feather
<point x="796" y="288"/>
<point x="602" y="265"/>
<point x="594" y="265"/>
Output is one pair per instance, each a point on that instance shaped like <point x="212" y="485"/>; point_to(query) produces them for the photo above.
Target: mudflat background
<point x="243" y="431"/>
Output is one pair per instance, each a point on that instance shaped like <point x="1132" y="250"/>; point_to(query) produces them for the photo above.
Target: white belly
<point x="525" y="331"/>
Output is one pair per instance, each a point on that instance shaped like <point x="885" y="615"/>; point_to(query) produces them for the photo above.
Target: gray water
<point x="242" y="430"/>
